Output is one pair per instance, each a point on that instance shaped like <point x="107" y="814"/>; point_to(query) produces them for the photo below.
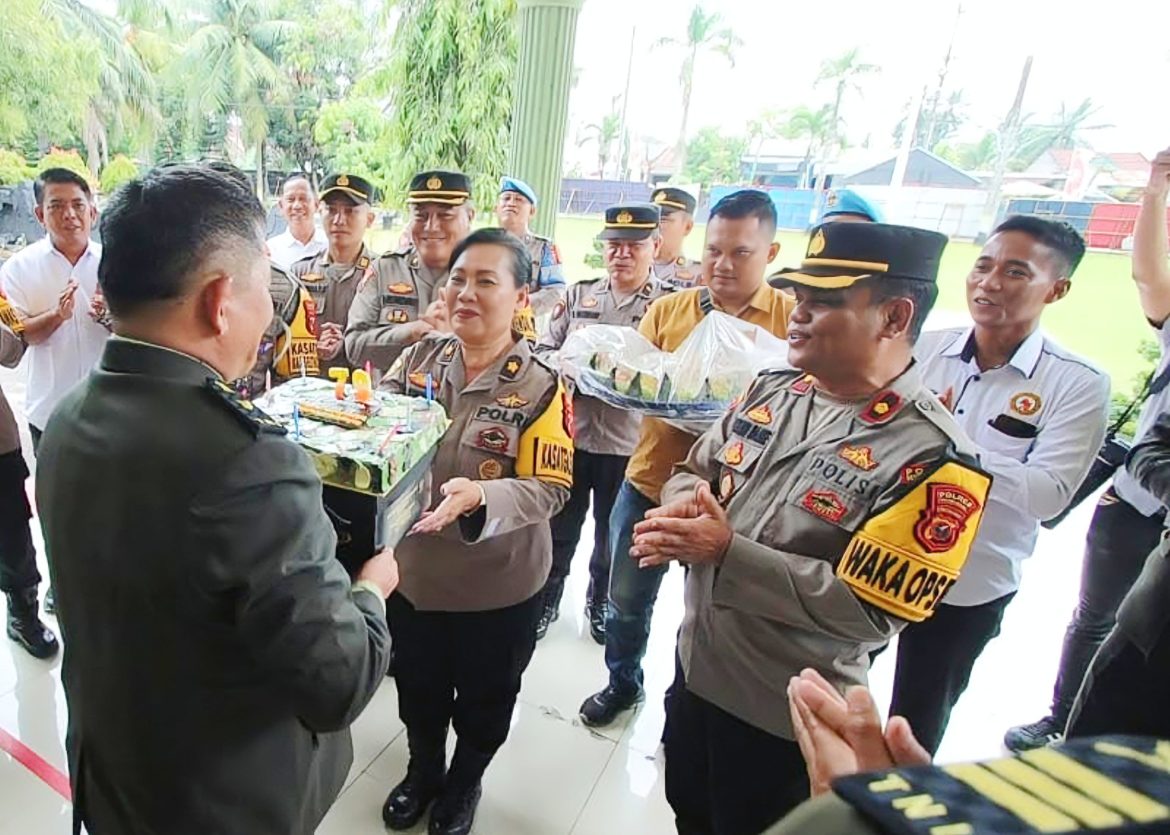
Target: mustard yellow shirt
<point x="668" y="322"/>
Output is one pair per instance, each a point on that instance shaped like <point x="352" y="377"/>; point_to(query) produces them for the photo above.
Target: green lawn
<point x="1100" y="319"/>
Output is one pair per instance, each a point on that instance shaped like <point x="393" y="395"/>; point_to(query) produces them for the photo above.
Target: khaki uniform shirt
<point x="396" y="290"/>
<point x="845" y="530"/>
<point x="601" y="428"/>
<point x="510" y="431"/>
<point x="333" y="288"/>
<point x="682" y="272"/>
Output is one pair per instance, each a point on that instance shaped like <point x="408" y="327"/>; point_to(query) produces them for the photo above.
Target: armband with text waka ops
<point x="1118" y="784"/>
<point x="904" y="557"/>
<point x="546" y="447"/>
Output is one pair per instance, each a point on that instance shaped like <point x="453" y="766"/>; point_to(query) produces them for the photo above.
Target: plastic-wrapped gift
<point x="373" y="457"/>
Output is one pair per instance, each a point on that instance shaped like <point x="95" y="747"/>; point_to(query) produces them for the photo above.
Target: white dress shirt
<point x="33" y="280"/>
<point x="1054" y="405"/>
<point x="285" y="250"/>
<point x="1125" y="485"/>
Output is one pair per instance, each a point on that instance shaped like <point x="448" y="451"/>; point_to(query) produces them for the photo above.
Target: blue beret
<point x="518" y="186"/>
<point x="846" y="201"/>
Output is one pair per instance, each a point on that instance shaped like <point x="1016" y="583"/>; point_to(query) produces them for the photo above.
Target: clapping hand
<point x="462" y="495"/>
<point x="842" y="735"/>
<point x="65" y="301"/>
<point x="693" y="530"/>
<point x="331" y="339"/>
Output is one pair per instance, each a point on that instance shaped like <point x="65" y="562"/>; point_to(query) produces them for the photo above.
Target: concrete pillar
<point x="540" y="110"/>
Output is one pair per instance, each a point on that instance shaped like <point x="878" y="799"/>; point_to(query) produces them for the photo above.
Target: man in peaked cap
<point x="832" y="505"/>
<point x="678" y="221"/>
<point x="515" y="208"/>
<point x="398" y="303"/>
<point x="605" y="437"/>
<point x="332" y="277"/>
<point x="847" y="206"/>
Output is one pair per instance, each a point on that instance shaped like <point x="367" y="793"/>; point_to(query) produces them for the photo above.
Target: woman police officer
<point x="463" y="619"/>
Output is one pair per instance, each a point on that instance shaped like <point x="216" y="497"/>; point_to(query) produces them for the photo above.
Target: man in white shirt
<point x="298" y="205"/>
<point x="1128" y="521"/>
<point x="50" y="283"/>
<point x="1037" y="414"/>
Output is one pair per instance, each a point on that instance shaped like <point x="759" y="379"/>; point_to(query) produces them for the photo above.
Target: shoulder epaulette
<point x="245" y="410"/>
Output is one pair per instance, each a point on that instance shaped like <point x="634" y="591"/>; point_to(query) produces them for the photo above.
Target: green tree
<point x="714" y="158"/>
<point x="449" y="81"/>
<point x="229" y="67"/>
<point x="604" y="133"/>
<point x="768" y="125"/>
<point x="972" y="156"/>
<point x="843" y="72"/>
<point x="815" y="126"/>
<point x="68" y="159"/>
<point x="938" y="125"/>
<point x="1063" y="132"/>
<point x="353" y="136"/>
<point x="13" y="168"/>
<point x="121" y="169"/>
<point x="704" y="34"/>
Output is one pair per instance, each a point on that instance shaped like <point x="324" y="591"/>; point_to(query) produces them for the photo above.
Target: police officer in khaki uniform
<point x="834" y="504"/>
<point x="473" y="568"/>
<point x="19" y="577"/>
<point x="515" y="208"/>
<point x="333" y="277"/>
<point x="399" y="301"/>
<point x="678" y="221"/>
<point x="606" y="436"/>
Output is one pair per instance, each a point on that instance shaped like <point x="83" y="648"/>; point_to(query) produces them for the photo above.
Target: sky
<point x="1117" y="53"/>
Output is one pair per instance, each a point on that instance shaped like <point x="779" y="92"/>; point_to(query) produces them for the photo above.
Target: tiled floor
<point x="555" y="777"/>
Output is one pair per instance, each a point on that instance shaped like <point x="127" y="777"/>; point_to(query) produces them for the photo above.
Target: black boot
<point x="26" y="628"/>
<point x="408" y="801"/>
<point x="553" y="590"/>
<point x="454" y="811"/>
<point x="596" y="610"/>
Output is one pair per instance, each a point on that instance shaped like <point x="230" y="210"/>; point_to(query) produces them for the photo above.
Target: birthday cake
<point x="365" y="440"/>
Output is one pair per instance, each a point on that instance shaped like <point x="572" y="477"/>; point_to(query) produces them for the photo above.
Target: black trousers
<point x="461" y="669"/>
<point x="1119" y="540"/>
<point x="18" y="556"/>
<point x="1125" y="691"/>
<point x="724" y="776"/>
<point x="935" y="659"/>
<point x="602" y="476"/>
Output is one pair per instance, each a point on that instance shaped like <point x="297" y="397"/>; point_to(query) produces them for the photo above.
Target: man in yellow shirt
<point x="738" y="249"/>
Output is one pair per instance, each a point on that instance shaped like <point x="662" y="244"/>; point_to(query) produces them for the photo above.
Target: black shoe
<point x="50" y="602"/>
<point x="551" y="611"/>
<point x="425" y="779"/>
<point x="602" y="708"/>
<point x="596" y="614"/>
<point x="454" y="811"/>
<point x="26" y="628"/>
<point x="1036" y="735"/>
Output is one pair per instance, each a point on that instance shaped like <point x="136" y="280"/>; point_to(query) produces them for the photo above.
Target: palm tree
<point x="703" y="34"/>
<point x="1063" y="133"/>
<point x="126" y="99"/>
<point x="815" y="125"/>
<point x="604" y="134"/>
<point x="843" y="72"/>
<point x="768" y="125"/>
<point x="229" y="67"/>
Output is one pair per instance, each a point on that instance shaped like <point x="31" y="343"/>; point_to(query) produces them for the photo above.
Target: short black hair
<point x="232" y="172"/>
<point x="922" y="293"/>
<point x="521" y="257"/>
<point x="157" y="230"/>
<point x="748" y="202"/>
<point x="59" y="176"/>
<point x="1058" y="236"/>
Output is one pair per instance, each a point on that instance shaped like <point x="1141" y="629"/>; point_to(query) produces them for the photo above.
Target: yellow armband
<point x="546" y="447"/>
<point x="904" y="558"/>
<point x="9" y="317"/>
<point x="524" y="323"/>
<point x="296" y="348"/>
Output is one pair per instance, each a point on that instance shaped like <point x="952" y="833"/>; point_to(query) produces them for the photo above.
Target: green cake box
<point x="374" y="458"/>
